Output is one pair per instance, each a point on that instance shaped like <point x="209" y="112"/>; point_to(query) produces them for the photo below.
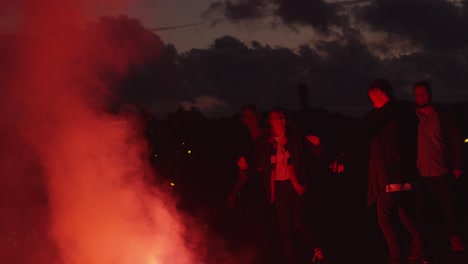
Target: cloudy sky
<point x="188" y="24"/>
<point x="231" y="52"/>
<point x="352" y="42"/>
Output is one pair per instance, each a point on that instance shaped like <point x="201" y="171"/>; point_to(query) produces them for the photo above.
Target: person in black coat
<point x="393" y="175"/>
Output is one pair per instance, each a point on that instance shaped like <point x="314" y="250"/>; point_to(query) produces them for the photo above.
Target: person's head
<point x="277" y="120"/>
<point x="380" y="92"/>
<point x="422" y="94"/>
<point x="250" y="116"/>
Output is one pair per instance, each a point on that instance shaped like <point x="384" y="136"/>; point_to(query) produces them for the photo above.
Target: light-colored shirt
<point x="433" y="156"/>
<point x="283" y="172"/>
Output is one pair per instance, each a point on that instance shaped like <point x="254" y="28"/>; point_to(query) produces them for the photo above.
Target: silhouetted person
<point x="249" y="191"/>
<point x="288" y="174"/>
<point x="392" y="167"/>
<point x="250" y="159"/>
<point x="440" y="157"/>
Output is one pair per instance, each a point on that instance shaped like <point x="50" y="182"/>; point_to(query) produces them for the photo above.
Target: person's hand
<point x="232" y="200"/>
<point x="457" y="173"/>
<point x="242" y="163"/>
<point x="337" y="167"/>
<point x="315" y="140"/>
<point x="300" y="189"/>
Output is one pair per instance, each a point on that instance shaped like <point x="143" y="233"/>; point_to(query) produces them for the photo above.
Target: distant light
<point x="466" y="140"/>
<point x="156" y="155"/>
<point x="189" y="151"/>
<point x="183" y="143"/>
<point x="172" y="184"/>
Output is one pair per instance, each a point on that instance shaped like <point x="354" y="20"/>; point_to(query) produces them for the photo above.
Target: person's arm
<point x="454" y="143"/>
<point x="243" y="177"/>
<point x="237" y="187"/>
<point x="315" y="146"/>
<point x="298" y="187"/>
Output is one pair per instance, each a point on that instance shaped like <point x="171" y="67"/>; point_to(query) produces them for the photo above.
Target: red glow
<point x="99" y="208"/>
<point x="73" y="186"/>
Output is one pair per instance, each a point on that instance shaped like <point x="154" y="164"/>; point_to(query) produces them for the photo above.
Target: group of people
<point x="414" y="152"/>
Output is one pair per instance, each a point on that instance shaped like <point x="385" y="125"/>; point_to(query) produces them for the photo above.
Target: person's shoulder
<point x="444" y="113"/>
<point x="442" y="110"/>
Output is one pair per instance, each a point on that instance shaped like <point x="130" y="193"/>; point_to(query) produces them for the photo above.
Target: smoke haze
<point x="76" y="186"/>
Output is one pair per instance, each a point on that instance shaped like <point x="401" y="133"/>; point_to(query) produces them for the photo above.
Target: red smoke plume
<point x="75" y="188"/>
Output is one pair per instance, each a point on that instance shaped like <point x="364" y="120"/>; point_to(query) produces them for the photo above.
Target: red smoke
<point x="74" y="188"/>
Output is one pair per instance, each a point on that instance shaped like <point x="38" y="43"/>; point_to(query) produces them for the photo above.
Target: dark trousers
<point x="290" y="213"/>
<point x="391" y="205"/>
<point x="258" y="221"/>
<point x="437" y="193"/>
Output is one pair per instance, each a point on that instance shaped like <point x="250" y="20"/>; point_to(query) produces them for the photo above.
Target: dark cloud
<point x="430" y="24"/>
<point x="220" y="79"/>
<point x="337" y="70"/>
<point x="239" y="10"/>
<point x="236" y="73"/>
<point x="343" y="70"/>
<point x="315" y="13"/>
<point x="337" y="73"/>
<point x="446" y="71"/>
<point x="402" y="40"/>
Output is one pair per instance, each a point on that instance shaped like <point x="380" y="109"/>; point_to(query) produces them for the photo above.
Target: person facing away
<point x="440" y="156"/>
<point x="287" y="172"/>
<point x="392" y="127"/>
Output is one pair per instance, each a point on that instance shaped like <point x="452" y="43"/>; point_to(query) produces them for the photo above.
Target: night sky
<point x="230" y="53"/>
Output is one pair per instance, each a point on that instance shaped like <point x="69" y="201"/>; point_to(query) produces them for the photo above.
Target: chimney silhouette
<point x="303" y="96"/>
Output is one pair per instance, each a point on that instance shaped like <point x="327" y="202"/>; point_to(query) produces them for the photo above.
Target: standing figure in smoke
<point x="392" y="127"/>
<point x="440" y="157"/>
<point x="288" y="175"/>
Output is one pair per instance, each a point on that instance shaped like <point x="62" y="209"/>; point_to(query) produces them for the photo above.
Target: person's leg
<point x="299" y="224"/>
<point x="440" y="187"/>
<point x="387" y="207"/>
<point x="283" y="211"/>
<point x="303" y="229"/>
<point x="255" y="236"/>
<point x="407" y="212"/>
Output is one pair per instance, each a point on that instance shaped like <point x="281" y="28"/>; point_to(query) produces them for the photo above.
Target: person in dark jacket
<point x="440" y="158"/>
<point x="393" y="175"/>
<point x="249" y="194"/>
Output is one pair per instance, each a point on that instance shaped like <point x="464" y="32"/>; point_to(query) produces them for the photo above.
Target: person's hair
<point x="279" y="110"/>
<point x="382" y="85"/>
<point x="425" y="85"/>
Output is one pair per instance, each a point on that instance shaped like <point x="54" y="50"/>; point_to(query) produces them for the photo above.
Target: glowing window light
<point x="466" y="140"/>
<point x="183" y="143"/>
<point x="172" y="184"/>
<point x="189" y="151"/>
